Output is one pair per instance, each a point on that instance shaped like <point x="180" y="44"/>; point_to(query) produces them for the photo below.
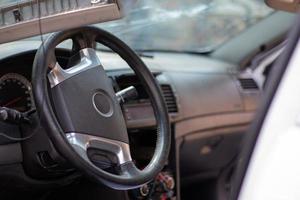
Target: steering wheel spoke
<point x="83" y="142"/>
<point x="129" y="169"/>
<point x="83" y="40"/>
<point x="88" y="59"/>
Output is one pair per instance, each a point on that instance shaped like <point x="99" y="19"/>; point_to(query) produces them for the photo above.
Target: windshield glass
<point x="158" y="25"/>
<point x="186" y="25"/>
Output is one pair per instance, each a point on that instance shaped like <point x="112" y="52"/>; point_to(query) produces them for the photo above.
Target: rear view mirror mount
<point x="285" y="5"/>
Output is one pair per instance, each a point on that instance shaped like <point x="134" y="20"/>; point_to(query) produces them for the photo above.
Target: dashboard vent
<point x="169" y="98"/>
<point x="248" y="84"/>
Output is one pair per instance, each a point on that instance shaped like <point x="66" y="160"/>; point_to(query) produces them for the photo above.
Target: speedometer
<point x="15" y="92"/>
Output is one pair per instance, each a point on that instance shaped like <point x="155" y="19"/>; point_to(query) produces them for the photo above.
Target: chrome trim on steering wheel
<point x="88" y="60"/>
<point x="81" y="142"/>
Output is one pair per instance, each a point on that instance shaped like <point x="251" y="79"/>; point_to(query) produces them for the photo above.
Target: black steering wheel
<point x="80" y="112"/>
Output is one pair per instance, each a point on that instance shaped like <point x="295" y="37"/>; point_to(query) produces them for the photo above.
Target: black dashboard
<point x="209" y="105"/>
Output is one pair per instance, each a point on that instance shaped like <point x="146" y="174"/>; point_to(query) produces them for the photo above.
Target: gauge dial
<point x="15" y="92"/>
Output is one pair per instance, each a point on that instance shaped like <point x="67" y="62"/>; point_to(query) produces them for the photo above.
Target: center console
<point x="142" y="132"/>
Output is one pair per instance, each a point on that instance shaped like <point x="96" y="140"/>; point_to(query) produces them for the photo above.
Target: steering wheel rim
<point x="84" y="39"/>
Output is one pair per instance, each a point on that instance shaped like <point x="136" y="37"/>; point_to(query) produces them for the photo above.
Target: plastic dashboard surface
<point x="207" y="91"/>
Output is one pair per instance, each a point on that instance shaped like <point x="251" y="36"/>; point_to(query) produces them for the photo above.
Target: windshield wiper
<point x="139" y="53"/>
<point x="149" y="53"/>
<point x="200" y="52"/>
<point x="144" y="54"/>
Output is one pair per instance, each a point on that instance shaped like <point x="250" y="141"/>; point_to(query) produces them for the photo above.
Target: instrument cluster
<point x="16" y="92"/>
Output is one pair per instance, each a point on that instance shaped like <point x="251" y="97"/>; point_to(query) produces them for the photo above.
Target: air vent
<point x="248" y="84"/>
<point x="169" y="98"/>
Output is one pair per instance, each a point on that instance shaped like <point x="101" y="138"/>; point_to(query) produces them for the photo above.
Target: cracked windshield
<point x="186" y="25"/>
<point x="180" y="25"/>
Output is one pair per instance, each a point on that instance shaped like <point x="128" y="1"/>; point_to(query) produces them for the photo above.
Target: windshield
<point x="186" y="25"/>
<point x="160" y="25"/>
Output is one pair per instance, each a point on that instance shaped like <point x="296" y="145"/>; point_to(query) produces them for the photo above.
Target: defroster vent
<point x="169" y="98"/>
<point x="248" y="84"/>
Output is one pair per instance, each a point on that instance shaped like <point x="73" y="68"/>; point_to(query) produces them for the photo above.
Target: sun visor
<point x="284" y="5"/>
<point x="22" y="19"/>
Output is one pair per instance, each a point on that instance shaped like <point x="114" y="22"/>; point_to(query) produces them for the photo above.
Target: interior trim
<point x="184" y="128"/>
<point x="14" y="151"/>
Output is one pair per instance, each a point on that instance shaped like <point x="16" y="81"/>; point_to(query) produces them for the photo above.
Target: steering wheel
<point x="80" y="112"/>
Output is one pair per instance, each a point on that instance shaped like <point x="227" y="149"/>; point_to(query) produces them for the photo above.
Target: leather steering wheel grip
<point x="86" y="37"/>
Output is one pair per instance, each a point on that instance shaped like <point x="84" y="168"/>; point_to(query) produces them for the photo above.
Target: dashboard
<point x="15" y="81"/>
<point x="209" y="103"/>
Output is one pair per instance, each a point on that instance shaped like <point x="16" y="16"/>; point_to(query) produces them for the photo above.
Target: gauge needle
<point x="13" y="101"/>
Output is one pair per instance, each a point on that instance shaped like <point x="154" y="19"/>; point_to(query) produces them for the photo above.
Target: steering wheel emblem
<point x="103" y="104"/>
